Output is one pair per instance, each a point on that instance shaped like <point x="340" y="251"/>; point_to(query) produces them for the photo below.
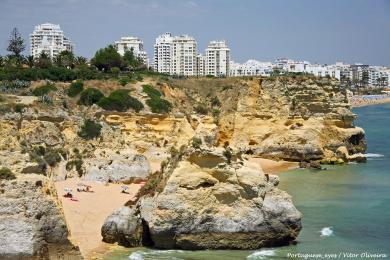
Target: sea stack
<point x="210" y="199"/>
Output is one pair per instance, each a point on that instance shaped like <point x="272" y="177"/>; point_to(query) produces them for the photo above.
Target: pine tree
<point x="16" y="43"/>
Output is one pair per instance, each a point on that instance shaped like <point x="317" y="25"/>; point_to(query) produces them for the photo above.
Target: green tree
<point x="43" y="61"/>
<point x="65" y="59"/>
<point x="80" y="61"/>
<point x="107" y="58"/>
<point x="131" y="60"/>
<point x="29" y="61"/>
<point x="16" y="43"/>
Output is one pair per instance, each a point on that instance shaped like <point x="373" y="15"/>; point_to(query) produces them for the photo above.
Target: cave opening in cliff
<point x="146" y="237"/>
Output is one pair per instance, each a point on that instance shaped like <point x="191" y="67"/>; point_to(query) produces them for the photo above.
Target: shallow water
<point x="346" y="209"/>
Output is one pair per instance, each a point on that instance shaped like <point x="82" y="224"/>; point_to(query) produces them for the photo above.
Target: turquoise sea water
<point x="346" y="209"/>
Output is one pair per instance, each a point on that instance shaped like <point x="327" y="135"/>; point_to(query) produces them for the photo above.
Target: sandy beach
<point x="86" y="216"/>
<point x="360" y="101"/>
<point x="274" y="167"/>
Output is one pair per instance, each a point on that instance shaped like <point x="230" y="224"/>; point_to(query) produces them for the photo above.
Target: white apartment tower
<point x="175" y="55"/>
<point x="134" y="43"/>
<point x="50" y="39"/>
<point x="200" y="65"/>
<point x="217" y="59"/>
<point x="162" y="53"/>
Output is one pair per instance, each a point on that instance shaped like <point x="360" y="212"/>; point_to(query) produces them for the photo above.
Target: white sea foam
<point x="326" y="231"/>
<point x="141" y="255"/>
<point x="136" y="256"/>
<point x="262" y="254"/>
<point x="373" y="155"/>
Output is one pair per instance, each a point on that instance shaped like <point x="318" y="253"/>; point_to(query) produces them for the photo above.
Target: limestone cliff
<point x="209" y="201"/>
<point x="31" y="223"/>
<point x="302" y="119"/>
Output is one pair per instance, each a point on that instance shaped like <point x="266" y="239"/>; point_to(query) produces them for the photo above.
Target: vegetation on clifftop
<point x="120" y="100"/>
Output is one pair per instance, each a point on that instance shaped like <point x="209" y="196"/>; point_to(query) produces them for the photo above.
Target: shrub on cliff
<point x="90" y="96"/>
<point x="75" y="88"/>
<point x="196" y="142"/>
<point x="159" y="105"/>
<point x="6" y="174"/>
<point x="150" y="91"/>
<point x="43" y="90"/>
<point x="201" y="109"/>
<point x="124" y="80"/>
<point x="90" y="130"/>
<point x="78" y="164"/>
<point x="155" y="102"/>
<point x="52" y="157"/>
<point x="120" y="100"/>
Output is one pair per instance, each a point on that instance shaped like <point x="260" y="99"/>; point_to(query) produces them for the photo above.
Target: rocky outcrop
<point x="302" y="119"/>
<point x="31" y="224"/>
<point x="117" y="168"/>
<point x="211" y="200"/>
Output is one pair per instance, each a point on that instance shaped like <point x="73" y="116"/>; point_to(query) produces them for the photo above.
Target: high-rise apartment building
<point x="200" y="65"/>
<point x="48" y="38"/>
<point x="175" y="55"/>
<point x="217" y="59"/>
<point x="132" y="43"/>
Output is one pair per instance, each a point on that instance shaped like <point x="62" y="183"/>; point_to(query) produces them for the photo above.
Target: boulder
<point x="210" y="206"/>
<point x="121" y="226"/>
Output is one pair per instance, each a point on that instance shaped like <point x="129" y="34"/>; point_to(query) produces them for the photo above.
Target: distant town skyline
<point x="317" y="31"/>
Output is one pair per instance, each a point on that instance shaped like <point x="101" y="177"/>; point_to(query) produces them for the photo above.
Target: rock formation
<point x="210" y="200"/>
<point x="31" y="224"/>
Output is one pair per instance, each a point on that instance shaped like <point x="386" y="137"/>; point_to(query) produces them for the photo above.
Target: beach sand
<point x="86" y="216"/>
<point x="274" y="167"/>
<point x="360" y="102"/>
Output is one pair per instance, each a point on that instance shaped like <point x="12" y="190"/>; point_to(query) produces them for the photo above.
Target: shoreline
<point x="359" y="101"/>
<point x="274" y="167"/>
<point x="86" y="214"/>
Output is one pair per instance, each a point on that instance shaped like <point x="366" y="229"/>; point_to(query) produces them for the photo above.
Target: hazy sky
<point x="313" y="30"/>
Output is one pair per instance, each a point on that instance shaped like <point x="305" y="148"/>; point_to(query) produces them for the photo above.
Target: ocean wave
<point x="326" y="231"/>
<point x="136" y="256"/>
<point x="374" y="155"/>
<point x="262" y="254"/>
<point x="153" y="254"/>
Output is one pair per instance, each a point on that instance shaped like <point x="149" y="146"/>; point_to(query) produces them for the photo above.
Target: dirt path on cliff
<point x="86" y="216"/>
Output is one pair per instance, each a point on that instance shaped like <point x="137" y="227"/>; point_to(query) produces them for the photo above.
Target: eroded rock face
<point x="297" y="120"/>
<point x="30" y="222"/>
<point x="211" y="206"/>
<point x="118" y="168"/>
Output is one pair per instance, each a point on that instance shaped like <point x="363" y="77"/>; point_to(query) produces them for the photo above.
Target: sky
<point x="322" y="31"/>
